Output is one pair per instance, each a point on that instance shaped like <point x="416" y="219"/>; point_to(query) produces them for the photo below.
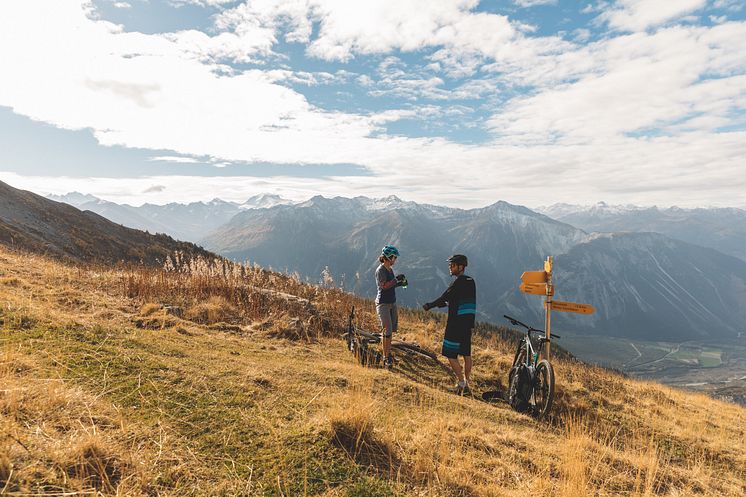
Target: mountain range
<point x="189" y="222"/>
<point x="643" y="284"/>
<point x="723" y="229"/>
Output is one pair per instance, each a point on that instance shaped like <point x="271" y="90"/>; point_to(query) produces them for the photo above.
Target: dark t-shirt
<point x="461" y="298"/>
<point x="384" y="275"/>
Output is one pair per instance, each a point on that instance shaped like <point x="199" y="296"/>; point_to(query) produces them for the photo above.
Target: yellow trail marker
<point x="542" y="283"/>
<point x="535" y="288"/>
<point x="534" y="277"/>
<point x="558" y="305"/>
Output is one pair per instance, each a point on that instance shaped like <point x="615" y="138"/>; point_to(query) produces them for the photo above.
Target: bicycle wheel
<point x="361" y="352"/>
<point x="350" y="340"/>
<point x="513" y="387"/>
<point x="543" y="388"/>
<point x="410" y="347"/>
<point x="520" y="358"/>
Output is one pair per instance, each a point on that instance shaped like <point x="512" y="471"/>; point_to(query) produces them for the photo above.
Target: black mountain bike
<point x="363" y="344"/>
<point x="530" y="380"/>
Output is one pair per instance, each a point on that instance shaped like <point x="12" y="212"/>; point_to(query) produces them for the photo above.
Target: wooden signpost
<point x="558" y="305"/>
<point x="540" y="283"/>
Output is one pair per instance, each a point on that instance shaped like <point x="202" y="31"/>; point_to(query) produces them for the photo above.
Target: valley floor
<point x="104" y="390"/>
<point x="718" y="369"/>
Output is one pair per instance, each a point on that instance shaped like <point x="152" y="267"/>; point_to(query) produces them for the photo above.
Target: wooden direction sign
<point x="535" y="288"/>
<point x="558" y="305"/>
<point x="534" y="277"/>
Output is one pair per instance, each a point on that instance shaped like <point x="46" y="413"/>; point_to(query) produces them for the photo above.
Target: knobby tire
<point x="520" y="358"/>
<point x="543" y="388"/>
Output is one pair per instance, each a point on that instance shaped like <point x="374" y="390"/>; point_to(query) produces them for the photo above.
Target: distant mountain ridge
<point x="34" y="223"/>
<point x="723" y="229"/>
<point x="189" y="222"/>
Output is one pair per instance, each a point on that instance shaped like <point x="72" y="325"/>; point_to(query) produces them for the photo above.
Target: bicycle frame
<point x="532" y="357"/>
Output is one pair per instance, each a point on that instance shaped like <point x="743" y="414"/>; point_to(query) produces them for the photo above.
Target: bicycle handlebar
<point x="514" y="322"/>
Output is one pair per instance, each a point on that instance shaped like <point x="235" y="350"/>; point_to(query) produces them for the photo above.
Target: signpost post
<point x="541" y="283"/>
<point x="548" y="303"/>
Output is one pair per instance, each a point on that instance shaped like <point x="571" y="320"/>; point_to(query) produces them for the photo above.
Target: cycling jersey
<point x="461" y="298"/>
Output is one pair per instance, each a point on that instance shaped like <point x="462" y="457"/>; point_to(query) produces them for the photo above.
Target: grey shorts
<point x="389" y="318"/>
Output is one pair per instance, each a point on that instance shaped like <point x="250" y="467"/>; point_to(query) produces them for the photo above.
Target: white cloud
<point x="349" y="28"/>
<point x="533" y="3"/>
<point x="169" y="158"/>
<point x="122" y="5"/>
<point x="639" y="15"/>
<point x="581" y="35"/>
<point x="248" y="46"/>
<point x="729" y="5"/>
<point x="155" y="189"/>
<point x="631" y="83"/>
<point x="582" y="114"/>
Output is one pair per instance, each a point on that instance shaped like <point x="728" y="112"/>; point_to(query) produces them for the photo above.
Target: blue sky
<point x="449" y="102"/>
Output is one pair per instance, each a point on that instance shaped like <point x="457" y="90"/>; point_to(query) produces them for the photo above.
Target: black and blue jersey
<point x="461" y="298"/>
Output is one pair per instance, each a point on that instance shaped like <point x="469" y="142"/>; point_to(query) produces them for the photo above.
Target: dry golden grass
<point x="239" y="386"/>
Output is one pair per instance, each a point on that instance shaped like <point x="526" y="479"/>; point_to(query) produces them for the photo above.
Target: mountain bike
<point x="530" y="380"/>
<point x="362" y="344"/>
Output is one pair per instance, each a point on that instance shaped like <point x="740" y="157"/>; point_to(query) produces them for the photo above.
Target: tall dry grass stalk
<point x="356" y="426"/>
<point x="217" y="289"/>
<point x="574" y="459"/>
<point x="647" y="470"/>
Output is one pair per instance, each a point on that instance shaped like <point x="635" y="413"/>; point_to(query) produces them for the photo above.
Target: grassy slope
<point x="102" y="391"/>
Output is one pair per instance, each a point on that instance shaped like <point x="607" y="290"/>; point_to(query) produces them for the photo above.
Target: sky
<point x="459" y="102"/>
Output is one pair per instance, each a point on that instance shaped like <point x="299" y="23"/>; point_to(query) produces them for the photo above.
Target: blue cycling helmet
<point x="389" y="250"/>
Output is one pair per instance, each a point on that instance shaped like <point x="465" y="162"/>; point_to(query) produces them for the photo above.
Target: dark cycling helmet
<point x="459" y="259"/>
<point x="389" y="250"/>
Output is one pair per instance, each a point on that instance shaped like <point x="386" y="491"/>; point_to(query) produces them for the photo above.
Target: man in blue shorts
<point x="461" y="298"/>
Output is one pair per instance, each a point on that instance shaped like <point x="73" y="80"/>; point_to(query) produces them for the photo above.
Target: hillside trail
<point x="162" y="405"/>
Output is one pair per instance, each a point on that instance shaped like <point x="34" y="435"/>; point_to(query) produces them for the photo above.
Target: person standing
<point x="386" y="282"/>
<point x="461" y="298"/>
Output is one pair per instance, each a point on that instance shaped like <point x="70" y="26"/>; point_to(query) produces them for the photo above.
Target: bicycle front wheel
<point x="520" y="358"/>
<point x="543" y="388"/>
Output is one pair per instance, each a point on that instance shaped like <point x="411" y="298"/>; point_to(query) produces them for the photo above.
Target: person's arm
<point x="443" y="300"/>
<point x="383" y="282"/>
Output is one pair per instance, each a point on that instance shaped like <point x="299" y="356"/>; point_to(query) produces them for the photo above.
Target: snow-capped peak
<point x="76" y="199"/>
<point x="264" y="201"/>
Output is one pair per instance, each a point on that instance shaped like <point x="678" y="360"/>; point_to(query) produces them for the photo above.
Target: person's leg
<point x="456" y="366"/>
<point x="467" y="368"/>
<point x="466" y="352"/>
<point x="394" y="315"/>
<point x="384" y="315"/>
